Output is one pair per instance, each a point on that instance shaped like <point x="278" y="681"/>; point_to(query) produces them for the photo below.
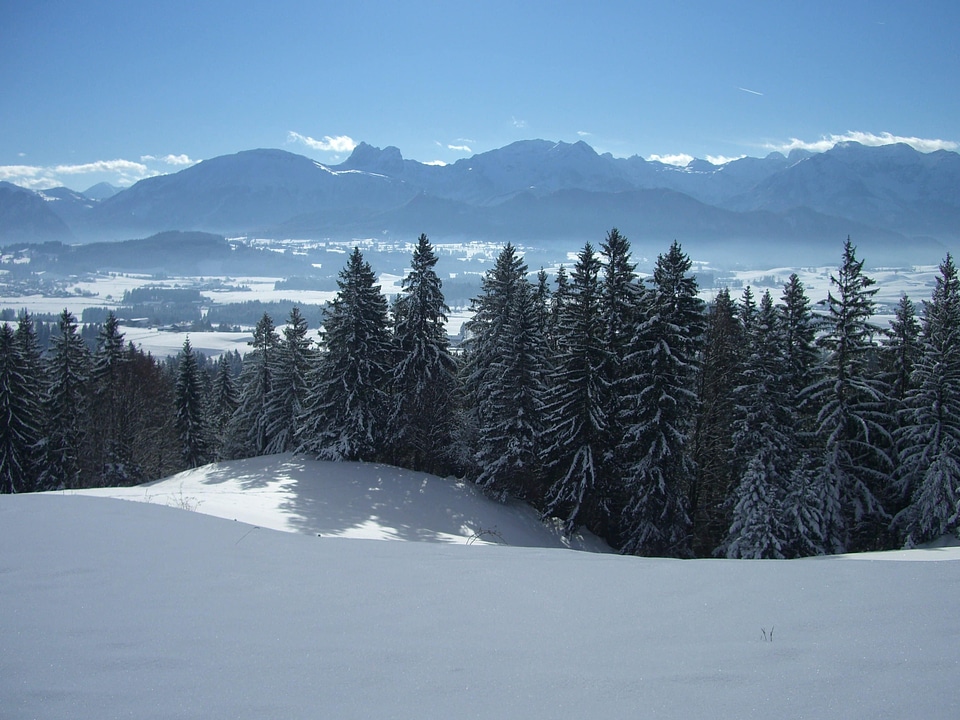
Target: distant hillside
<point x="26" y="217"/>
<point x="172" y="252"/>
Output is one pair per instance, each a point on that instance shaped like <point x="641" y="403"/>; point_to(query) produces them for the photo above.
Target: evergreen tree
<point x="424" y="378"/>
<point x="223" y="404"/>
<point x="21" y="419"/>
<point x="191" y="415"/>
<point x="719" y="375"/>
<point x="542" y="303"/>
<point x="854" y="468"/>
<point x="347" y="400"/>
<point x="247" y="433"/>
<point x="620" y="309"/>
<point x="505" y="376"/>
<point x="110" y="445"/>
<point x="558" y="303"/>
<point x="32" y="394"/>
<point x="151" y="420"/>
<point x="930" y="441"/>
<point x="288" y="388"/>
<point x="66" y="407"/>
<point x="576" y="418"/>
<point x="661" y="411"/>
<point x="798" y="331"/>
<point x="804" y="504"/>
<point x="763" y="447"/>
<point x="902" y="350"/>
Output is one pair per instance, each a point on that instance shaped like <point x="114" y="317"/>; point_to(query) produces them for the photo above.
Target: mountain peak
<point x="388" y="161"/>
<point x="101" y="191"/>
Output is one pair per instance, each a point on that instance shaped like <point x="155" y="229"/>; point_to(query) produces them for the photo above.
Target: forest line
<point x="668" y="426"/>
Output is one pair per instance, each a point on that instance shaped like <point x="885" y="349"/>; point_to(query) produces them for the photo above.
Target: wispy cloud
<point x="752" y="92"/>
<point x="460" y="148"/>
<point x="123" y="167"/>
<point x="584" y="133"/>
<point x="334" y="144"/>
<point x="518" y="123"/>
<point x="438" y="163"/>
<point x="722" y="159"/>
<point x="175" y="160"/>
<point x="864" y="138"/>
<point x="117" y="172"/>
<point x="13" y="172"/>
<point x="678" y="159"/>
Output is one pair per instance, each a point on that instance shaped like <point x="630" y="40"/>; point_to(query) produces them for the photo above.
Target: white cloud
<point x="518" y="123"/>
<point x="117" y="172"/>
<point x="864" y="138"/>
<point x="179" y="160"/>
<point x="12" y="173"/>
<point x="584" y="133"/>
<point x="752" y="92"/>
<point x="438" y="163"/>
<point x="722" y="159"/>
<point x="460" y="148"/>
<point x="125" y="167"/>
<point x="338" y="144"/>
<point x="679" y="159"/>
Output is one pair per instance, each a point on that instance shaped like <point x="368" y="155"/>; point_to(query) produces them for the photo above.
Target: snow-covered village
<point x="656" y="417"/>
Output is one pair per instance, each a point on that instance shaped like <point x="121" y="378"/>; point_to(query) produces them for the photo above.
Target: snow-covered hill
<point x="355" y="500"/>
<point x="135" y="609"/>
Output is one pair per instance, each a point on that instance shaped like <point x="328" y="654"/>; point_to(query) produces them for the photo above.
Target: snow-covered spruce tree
<point x="247" y="432"/>
<point x="854" y="469"/>
<point x="930" y="440"/>
<point x="899" y="353"/>
<point x="222" y="406"/>
<point x="66" y="407"/>
<point x="191" y="411"/>
<point x="660" y="411"/>
<point x="505" y="382"/>
<point x="901" y="350"/>
<point x="718" y="376"/>
<point x="542" y="299"/>
<point x="747" y="310"/>
<point x="798" y="332"/>
<point x="424" y="378"/>
<point x="576" y="423"/>
<point x="21" y="418"/>
<point x="32" y="369"/>
<point x="620" y="299"/>
<point x="288" y="388"/>
<point x="347" y="400"/>
<point x="558" y="303"/>
<point x="110" y="408"/>
<point x="803" y="504"/>
<point x="764" y="452"/>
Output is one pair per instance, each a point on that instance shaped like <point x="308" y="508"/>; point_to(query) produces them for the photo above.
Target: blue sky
<point x="118" y="91"/>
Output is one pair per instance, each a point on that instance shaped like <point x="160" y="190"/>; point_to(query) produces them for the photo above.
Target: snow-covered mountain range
<point x="895" y="201"/>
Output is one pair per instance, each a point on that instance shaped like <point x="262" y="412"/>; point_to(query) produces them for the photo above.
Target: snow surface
<point x="121" y="609"/>
<point x="355" y="500"/>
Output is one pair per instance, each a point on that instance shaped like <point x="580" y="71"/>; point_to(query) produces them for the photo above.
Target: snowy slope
<point x="355" y="500"/>
<point x="119" y="609"/>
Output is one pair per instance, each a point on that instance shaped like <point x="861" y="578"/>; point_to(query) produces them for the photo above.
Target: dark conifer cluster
<point x="750" y="429"/>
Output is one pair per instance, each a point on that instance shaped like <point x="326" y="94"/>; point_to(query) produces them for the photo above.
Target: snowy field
<point x="107" y="291"/>
<point x="116" y="609"/>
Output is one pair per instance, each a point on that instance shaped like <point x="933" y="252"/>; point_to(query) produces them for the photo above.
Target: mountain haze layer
<point x="899" y="205"/>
